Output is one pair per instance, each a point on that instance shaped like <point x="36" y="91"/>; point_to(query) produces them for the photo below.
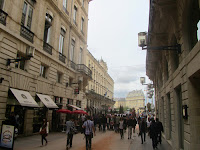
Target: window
<point x="72" y="50"/>
<point x="43" y="70"/>
<point x="27" y="15"/>
<point x="59" y="77"/>
<point x="47" y="28"/>
<point x="83" y="3"/>
<point x="70" y="81"/>
<point x="1" y="4"/>
<point x="80" y="55"/>
<point x="75" y="13"/>
<point x="82" y="24"/>
<point x="21" y="64"/>
<point x="58" y="100"/>
<point x="65" y="4"/>
<point x="198" y="31"/>
<point x="61" y="40"/>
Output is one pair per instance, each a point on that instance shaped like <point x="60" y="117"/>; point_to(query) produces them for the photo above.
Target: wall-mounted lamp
<point x="185" y="112"/>
<point x="29" y="54"/>
<point x="1" y="80"/>
<point x="142" y="42"/>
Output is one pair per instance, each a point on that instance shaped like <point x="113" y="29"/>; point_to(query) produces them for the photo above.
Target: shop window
<point x="21" y="64"/>
<point x="43" y="71"/>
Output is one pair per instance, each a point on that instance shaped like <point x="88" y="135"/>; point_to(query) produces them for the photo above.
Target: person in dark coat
<point x="143" y="129"/>
<point x="153" y="133"/>
<point x="159" y="130"/>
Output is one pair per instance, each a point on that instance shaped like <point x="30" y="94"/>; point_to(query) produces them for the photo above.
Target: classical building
<point x="56" y="75"/>
<point x="100" y="89"/>
<point x="120" y="102"/>
<point x="134" y="99"/>
<point x="176" y="74"/>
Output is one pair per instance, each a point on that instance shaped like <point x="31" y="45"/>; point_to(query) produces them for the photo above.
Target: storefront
<point x="56" y="117"/>
<point x="18" y="103"/>
<point x="46" y="103"/>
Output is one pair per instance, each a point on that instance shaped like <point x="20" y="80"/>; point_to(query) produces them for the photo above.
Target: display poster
<point x="7" y="136"/>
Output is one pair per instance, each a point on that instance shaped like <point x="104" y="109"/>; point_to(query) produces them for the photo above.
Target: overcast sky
<point x="113" y="35"/>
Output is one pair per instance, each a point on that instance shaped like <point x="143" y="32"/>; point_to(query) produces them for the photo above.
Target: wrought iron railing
<point x="84" y="69"/>
<point x="3" y="16"/>
<point x="62" y="57"/>
<point x="48" y="48"/>
<point x="26" y="33"/>
<point x="73" y="65"/>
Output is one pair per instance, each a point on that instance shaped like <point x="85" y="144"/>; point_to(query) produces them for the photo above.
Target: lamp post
<point x="149" y="91"/>
<point x="29" y="54"/>
<point x="143" y="42"/>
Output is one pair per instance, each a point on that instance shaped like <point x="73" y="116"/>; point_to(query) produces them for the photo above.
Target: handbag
<point x="43" y="131"/>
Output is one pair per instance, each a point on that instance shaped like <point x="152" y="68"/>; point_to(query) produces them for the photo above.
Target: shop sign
<point x="7" y="136"/>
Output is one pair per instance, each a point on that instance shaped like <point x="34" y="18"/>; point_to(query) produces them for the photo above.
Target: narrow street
<point x="102" y="141"/>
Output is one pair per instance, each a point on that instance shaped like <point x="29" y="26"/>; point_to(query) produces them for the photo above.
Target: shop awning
<point x="24" y="98"/>
<point x="73" y="106"/>
<point x="47" y="101"/>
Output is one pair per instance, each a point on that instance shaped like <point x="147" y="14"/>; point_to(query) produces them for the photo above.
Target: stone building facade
<point x="100" y="89"/>
<point x="134" y="99"/>
<point x="176" y="76"/>
<point x="57" y="31"/>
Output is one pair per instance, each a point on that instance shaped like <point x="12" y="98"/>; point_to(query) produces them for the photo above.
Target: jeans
<point x="143" y="135"/>
<point x="69" y="139"/>
<point x="121" y="133"/>
<point x="130" y="131"/>
<point x="88" y="142"/>
<point x="44" y="138"/>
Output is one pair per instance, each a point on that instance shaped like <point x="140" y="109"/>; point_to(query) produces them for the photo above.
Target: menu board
<point x="7" y="136"/>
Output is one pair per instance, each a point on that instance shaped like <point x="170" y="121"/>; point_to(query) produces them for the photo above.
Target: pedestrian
<point x="121" y="128"/>
<point x="143" y="129"/>
<point x="134" y="125"/>
<point x="89" y="130"/>
<point x="44" y="130"/>
<point x="159" y="130"/>
<point x="153" y="133"/>
<point x="70" y="131"/>
<point x="130" y="124"/>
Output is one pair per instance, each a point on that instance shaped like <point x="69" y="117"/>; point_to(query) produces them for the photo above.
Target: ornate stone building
<point x="56" y="30"/>
<point x="100" y="90"/>
<point x="134" y="99"/>
<point x="176" y="76"/>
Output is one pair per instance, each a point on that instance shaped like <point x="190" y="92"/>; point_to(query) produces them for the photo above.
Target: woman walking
<point x="44" y="130"/>
<point x="121" y="128"/>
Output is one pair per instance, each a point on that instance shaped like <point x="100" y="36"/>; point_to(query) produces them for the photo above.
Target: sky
<point x="113" y="29"/>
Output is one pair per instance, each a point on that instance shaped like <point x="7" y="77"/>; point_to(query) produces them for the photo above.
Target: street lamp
<point x="29" y="54"/>
<point x="143" y="42"/>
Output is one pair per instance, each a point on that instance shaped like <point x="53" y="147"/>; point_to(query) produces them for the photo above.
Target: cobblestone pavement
<point x="102" y="141"/>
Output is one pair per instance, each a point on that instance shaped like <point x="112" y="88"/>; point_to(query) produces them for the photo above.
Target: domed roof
<point x="135" y="93"/>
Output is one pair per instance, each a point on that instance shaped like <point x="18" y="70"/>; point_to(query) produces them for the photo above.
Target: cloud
<point x="126" y="78"/>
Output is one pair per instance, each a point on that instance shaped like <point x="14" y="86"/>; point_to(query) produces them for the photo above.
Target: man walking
<point x="130" y="124"/>
<point x="70" y="129"/>
<point x="153" y="133"/>
<point x="159" y="130"/>
<point x="143" y="129"/>
<point x="89" y="129"/>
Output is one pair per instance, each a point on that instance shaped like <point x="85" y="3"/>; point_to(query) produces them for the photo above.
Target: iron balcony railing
<point x="62" y="57"/>
<point x="48" y="48"/>
<point x="84" y="69"/>
<point x="26" y="33"/>
<point x="73" y="65"/>
<point x="3" y="16"/>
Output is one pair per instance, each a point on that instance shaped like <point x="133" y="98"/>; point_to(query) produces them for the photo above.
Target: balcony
<point x="84" y="69"/>
<point x="26" y="33"/>
<point x="3" y="16"/>
<point x="73" y="65"/>
<point x="62" y="57"/>
<point x="47" y="48"/>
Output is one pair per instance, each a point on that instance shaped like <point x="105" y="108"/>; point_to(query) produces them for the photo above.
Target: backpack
<point x="72" y="130"/>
